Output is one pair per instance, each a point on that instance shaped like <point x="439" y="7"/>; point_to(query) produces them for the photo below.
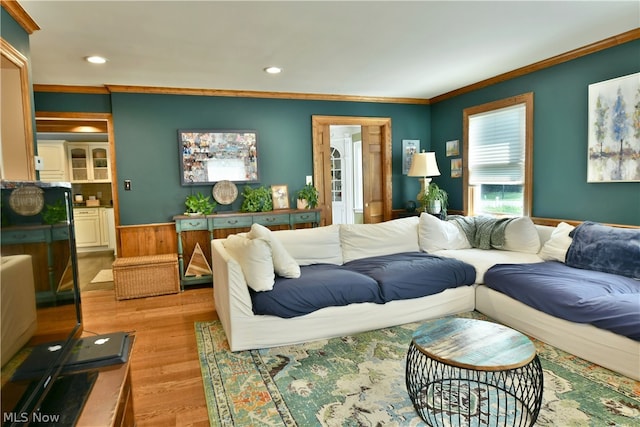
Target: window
<point x="498" y="143"/>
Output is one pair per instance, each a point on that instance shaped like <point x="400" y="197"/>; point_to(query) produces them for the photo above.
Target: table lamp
<point x="424" y="165"/>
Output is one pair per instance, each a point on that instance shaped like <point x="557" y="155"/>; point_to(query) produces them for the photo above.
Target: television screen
<point x="40" y="292"/>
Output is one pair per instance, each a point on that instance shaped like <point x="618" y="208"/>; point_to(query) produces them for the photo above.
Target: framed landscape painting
<point x="614" y="130"/>
<point x="209" y="156"/>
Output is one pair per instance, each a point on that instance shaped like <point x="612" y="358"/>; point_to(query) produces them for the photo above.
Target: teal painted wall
<point x="560" y="188"/>
<point x="147" y="151"/>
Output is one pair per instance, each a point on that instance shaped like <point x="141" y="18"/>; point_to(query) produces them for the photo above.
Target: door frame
<point x="71" y="120"/>
<point x="322" y="164"/>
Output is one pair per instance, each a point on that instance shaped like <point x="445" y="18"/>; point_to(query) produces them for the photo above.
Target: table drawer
<point x="22" y="236"/>
<point x="60" y="233"/>
<point x="234" y="222"/>
<point x="276" y="219"/>
<point x="192" y="224"/>
<point x="304" y="217"/>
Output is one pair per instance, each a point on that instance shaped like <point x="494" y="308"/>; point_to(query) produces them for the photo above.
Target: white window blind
<point x="497" y="146"/>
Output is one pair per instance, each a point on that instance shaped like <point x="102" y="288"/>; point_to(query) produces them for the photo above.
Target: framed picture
<point x="409" y="148"/>
<point x="456" y="168"/>
<point x="453" y="148"/>
<point x="209" y="156"/>
<point x="614" y="133"/>
<point x="280" y="196"/>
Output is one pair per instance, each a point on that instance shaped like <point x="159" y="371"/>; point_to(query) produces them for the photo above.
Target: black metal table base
<point x="446" y="395"/>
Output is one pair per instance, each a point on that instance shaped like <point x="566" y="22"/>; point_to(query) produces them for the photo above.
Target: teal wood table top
<point x="474" y="344"/>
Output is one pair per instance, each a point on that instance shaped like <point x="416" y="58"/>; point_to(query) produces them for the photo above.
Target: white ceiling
<point x="414" y="49"/>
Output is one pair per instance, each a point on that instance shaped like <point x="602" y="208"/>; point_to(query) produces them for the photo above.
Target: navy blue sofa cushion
<point x="413" y="274"/>
<point x="319" y="286"/>
<point x="605" y="300"/>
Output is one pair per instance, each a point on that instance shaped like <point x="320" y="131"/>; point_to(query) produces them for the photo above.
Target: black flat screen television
<point x="37" y="221"/>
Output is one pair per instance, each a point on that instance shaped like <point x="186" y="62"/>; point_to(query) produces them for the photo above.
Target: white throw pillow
<point x="320" y="245"/>
<point x="437" y="235"/>
<point x="521" y="235"/>
<point x="283" y="263"/>
<point x="384" y="238"/>
<point x="256" y="262"/>
<point x="555" y="249"/>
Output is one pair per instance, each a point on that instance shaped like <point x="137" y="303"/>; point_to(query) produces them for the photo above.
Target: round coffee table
<point x="467" y="372"/>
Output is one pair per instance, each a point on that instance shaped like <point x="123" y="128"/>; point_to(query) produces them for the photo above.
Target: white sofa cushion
<point x="555" y="249"/>
<point x="436" y="235"/>
<point x="320" y="245"/>
<point x="256" y="262"/>
<point x="283" y="263"/>
<point x="521" y="235"/>
<point x="390" y="237"/>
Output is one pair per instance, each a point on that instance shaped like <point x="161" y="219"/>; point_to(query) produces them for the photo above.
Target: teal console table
<point x="219" y="221"/>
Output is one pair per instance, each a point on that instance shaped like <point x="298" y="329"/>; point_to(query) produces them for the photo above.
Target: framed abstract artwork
<point x="614" y="130"/>
<point x="409" y="148"/>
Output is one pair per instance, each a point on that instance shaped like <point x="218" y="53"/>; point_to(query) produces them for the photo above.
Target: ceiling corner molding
<point x="16" y="11"/>
<point x="71" y="89"/>
<point x="546" y="63"/>
<point x="258" y="94"/>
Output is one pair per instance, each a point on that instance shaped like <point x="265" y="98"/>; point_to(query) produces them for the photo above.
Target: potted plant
<point x="435" y="199"/>
<point x="308" y="197"/>
<point x="256" y="199"/>
<point x="198" y="204"/>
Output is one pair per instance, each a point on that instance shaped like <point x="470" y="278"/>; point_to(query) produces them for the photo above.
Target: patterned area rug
<point x="359" y="380"/>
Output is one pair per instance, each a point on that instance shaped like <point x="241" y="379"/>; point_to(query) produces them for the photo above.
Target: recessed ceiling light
<point x="96" y="59"/>
<point x="273" y="70"/>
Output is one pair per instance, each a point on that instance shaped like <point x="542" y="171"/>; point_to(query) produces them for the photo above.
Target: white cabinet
<point x="54" y="161"/>
<point x="89" y="162"/>
<point x="88" y="227"/>
<point x="95" y="227"/>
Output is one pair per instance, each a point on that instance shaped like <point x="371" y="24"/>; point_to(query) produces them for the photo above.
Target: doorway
<point x="86" y="127"/>
<point x="346" y="174"/>
<point x="375" y="143"/>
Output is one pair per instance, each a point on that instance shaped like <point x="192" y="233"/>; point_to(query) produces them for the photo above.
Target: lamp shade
<point x="424" y="164"/>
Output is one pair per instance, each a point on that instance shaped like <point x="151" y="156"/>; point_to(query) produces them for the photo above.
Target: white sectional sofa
<point x="340" y="244"/>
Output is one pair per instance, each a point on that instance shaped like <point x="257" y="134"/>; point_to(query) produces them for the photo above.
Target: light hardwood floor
<point x="166" y="379"/>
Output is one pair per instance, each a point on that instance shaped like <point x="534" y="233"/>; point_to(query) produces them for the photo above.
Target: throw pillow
<point x="256" y="262"/>
<point x="283" y="263"/>
<point x="435" y="235"/>
<point x="555" y="249"/>
<point x="384" y="238"/>
<point x="521" y="235"/>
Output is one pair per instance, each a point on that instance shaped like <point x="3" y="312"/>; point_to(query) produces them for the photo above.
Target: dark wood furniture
<point x="110" y="402"/>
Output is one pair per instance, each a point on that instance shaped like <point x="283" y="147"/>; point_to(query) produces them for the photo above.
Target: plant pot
<point x="302" y="204"/>
<point x="434" y="207"/>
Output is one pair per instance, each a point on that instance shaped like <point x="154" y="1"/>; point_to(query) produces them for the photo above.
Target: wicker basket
<point x="145" y="276"/>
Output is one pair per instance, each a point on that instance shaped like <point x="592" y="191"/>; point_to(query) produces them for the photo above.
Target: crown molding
<point x="16" y="11"/>
<point x="546" y="63"/>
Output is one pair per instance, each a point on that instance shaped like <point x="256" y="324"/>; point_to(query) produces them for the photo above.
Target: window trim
<point x="467" y="193"/>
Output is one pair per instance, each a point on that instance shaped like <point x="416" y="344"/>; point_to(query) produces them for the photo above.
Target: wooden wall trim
<point x="546" y="63"/>
<point x="16" y="11"/>
<point x="259" y="94"/>
<point x="101" y="90"/>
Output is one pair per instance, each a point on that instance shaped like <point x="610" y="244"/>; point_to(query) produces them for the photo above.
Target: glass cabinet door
<point x="100" y="163"/>
<point x="79" y="163"/>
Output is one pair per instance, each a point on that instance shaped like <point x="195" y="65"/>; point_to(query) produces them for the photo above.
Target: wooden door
<point x="376" y="164"/>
